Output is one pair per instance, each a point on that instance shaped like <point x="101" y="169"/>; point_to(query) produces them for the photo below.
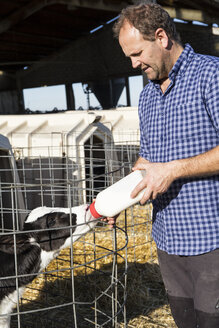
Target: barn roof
<point x="33" y="30"/>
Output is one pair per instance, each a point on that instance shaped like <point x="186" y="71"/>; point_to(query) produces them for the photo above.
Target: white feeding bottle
<point x="116" y="198"/>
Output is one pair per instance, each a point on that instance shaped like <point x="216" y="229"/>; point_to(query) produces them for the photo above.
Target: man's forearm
<point x="159" y="176"/>
<point x="201" y="165"/>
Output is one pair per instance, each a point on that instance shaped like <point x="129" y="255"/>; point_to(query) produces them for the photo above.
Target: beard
<point x="155" y="73"/>
<point x="151" y="72"/>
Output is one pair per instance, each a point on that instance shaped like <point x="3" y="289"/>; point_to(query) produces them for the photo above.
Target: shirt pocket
<point x="190" y="132"/>
<point x="188" y="120"/>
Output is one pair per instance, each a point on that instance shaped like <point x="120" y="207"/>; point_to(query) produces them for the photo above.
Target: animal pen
<point x="108" y="278"/>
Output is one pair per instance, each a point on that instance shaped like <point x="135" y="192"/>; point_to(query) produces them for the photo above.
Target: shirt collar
<point x="180" y="66"/>
<point x="182" y="62"/>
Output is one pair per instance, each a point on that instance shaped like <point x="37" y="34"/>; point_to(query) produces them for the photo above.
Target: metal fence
<point x="87" y="284"/>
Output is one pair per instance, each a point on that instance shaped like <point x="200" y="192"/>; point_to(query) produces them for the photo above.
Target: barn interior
<point x="52" y="42"/>
<point x="109" y="278"/>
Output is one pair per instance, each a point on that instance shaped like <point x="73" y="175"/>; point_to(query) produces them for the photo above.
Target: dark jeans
<point x="192" y="284"/>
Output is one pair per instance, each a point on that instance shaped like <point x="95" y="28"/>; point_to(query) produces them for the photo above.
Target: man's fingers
<point x="140" y="186"/>
<point x="154" y="195"/>
<point x="109" y="221"/>
<point x="148" y="194"/>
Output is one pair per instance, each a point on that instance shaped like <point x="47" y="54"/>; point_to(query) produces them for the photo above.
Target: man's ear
<point x="162" y="37"/>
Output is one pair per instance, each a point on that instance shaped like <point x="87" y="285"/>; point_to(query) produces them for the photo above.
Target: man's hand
<point x="111" y="221"/>
<point x="159" y="177"/>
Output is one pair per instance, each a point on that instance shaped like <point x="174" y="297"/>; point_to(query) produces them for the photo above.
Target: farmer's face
<point x="147" y="55"/>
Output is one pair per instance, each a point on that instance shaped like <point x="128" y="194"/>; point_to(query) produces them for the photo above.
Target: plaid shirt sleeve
<point x="212" y="99"/>
<point x="144" y="152"/>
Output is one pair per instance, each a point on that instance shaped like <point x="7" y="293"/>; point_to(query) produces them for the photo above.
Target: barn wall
<point x="9" y="103"/>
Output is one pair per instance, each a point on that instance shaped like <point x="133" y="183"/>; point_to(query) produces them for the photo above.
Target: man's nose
<point x="135" y="62"/>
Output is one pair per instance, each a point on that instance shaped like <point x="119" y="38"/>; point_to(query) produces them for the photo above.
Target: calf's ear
<point x="28" y="226"/>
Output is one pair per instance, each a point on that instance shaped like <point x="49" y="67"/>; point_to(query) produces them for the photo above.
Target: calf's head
<point x="56" y="228"/>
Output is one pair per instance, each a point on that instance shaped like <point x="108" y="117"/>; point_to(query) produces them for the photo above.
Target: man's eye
<point x="137" y="54"/>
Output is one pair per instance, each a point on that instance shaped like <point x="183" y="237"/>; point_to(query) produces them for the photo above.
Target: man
<point x="179" y="126"/>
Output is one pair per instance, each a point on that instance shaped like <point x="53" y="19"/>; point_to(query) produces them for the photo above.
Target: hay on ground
<point x="146" y="304"/>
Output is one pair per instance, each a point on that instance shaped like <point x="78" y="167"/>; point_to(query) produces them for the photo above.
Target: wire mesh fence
<point x="107" y="278"/>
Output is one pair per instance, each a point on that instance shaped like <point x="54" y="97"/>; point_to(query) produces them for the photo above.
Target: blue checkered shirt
<point x="184" y="122"/>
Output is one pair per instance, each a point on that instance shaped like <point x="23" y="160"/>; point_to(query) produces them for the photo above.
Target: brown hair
<point x="147" y="18"/>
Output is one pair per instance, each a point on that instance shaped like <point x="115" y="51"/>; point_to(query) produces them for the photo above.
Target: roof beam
<point x="36" y="5"/>
<point x="96" y="4"/>
<point x="191" y="14"/>
<point x="23" y="13"/>
<point x="38" y="37"/>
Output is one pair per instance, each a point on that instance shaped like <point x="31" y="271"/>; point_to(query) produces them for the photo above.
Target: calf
<point x="46" y="232"/>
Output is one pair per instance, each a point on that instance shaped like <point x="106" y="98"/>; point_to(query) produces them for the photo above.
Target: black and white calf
<point x="47" y="232"/>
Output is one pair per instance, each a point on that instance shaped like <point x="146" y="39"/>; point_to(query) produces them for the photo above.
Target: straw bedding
<point x="92" y="288"/>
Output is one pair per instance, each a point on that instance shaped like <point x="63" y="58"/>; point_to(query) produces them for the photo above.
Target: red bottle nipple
<point x="93" y="211"/>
